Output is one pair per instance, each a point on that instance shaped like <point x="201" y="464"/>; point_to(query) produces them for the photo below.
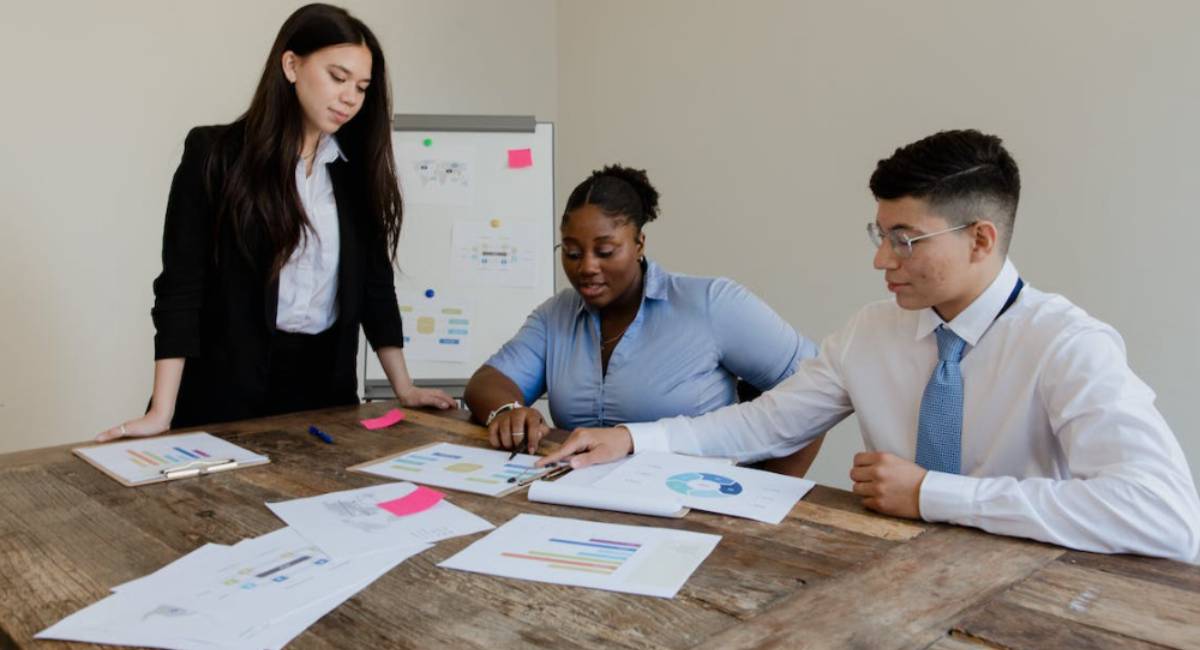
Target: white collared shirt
<point x="1061" y="442"/>
<point x="308" y="281"/>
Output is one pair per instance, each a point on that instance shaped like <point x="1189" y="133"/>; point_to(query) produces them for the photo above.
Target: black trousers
<point x="302" y="374"/>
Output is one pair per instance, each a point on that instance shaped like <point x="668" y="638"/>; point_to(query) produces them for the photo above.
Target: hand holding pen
<point x="516" y="430"/>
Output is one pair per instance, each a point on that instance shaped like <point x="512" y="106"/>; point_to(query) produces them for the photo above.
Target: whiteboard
<point x="476" y="248"/>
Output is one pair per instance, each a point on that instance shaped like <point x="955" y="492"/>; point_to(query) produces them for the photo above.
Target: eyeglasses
<point x="902" y="243"/>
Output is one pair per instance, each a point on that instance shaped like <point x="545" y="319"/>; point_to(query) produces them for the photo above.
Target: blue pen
<point x="325" y="437"/>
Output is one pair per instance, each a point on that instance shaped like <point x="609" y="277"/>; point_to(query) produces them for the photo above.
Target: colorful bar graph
<point x="141" y="458"/>
<point x="597" y="555"/>
<point x="186" y="452"/>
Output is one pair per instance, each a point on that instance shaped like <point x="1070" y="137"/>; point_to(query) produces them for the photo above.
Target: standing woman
<point x="278" y="243"/>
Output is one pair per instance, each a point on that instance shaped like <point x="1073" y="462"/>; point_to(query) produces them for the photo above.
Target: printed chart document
<point x="258" y="593"/>
<point x="458" y="467"/>
<point x="143" y="460"/>
<point x="355" y="522"/>
<point x="613" y="557"/>
<point x="577" y="488"/>
<point x="709" y="484"/>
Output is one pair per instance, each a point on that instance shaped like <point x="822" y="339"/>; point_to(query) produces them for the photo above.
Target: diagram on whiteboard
<point x="436" y="327"/>
<point x="438" y="175"/>
<point x="495" y="253"/>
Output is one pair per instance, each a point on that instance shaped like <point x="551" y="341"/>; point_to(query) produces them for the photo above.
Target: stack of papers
<point x="665" y="485"/>
<point x="263" y="592"/>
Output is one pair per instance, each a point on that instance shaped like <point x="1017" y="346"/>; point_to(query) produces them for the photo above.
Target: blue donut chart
<point x="702" y="484"/>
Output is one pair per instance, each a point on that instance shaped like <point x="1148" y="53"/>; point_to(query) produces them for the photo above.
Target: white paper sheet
<point x="458" y="467"/>
<point x="259" y="593"/>
<point x="709" y="484"/>
<point x="436" y="174"/>
<point x="438" y="327"/>
<point x="351" y="522"/>
<point x="614" y="557"/>
<point x="577" y="488"/>
<point x="143" y="459"/>
<point x="496" y="253"/>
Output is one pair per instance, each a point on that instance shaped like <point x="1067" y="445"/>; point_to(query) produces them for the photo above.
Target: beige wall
<point x="760" y="122"/>
<point x="97" y="100"/>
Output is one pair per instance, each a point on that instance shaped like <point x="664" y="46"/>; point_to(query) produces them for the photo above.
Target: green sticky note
<point x="428" y="142"/>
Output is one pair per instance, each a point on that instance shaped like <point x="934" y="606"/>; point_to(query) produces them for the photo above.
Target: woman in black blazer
<point x="279" y="240"/>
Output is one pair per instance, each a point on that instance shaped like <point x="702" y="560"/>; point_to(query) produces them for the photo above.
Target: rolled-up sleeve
<point x="523" y="358"/>
<point x="755" y="343"/>
<point x="186" y="251"/>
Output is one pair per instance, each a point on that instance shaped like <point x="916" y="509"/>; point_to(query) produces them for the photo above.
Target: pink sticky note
<point x="386" y="420"/>
<point x="419" y="500"/>
<point x="518" y="158"/>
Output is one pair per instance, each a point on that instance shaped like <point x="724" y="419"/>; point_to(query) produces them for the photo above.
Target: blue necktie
<point x="939" y="430"/>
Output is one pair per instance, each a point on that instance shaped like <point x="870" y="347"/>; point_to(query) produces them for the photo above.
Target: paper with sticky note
<point x="520" y="158"/>
<point x="386" y="420"/>
<point x="419" y="500"/>
<point x="356" y="522"/>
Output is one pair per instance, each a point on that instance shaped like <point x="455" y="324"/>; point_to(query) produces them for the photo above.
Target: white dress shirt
<point x="1061" y="442"/>
<point x="308" y="281"/>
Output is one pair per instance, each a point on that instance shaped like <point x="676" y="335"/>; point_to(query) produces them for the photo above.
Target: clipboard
<point x="440" y="470"/>
<point x="156" y="459"/>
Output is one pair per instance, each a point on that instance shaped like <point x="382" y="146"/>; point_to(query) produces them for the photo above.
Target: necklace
<point x="614" y="339"/>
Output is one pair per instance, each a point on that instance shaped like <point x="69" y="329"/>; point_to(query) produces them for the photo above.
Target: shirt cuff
<point x="648" y="436"/>
<point x="947" y="498"/>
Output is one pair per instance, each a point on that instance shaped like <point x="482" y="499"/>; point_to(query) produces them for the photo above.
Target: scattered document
<point x="143" y="460"/>
<point x="495" y="253"/>
<point x="709" y="484"/>
<point x="458" y="467"/>
<point x="631" y="559"/>
<point x="356" y="522"/>
<point x="258" y="593"/>
<point x="577" y="488"/>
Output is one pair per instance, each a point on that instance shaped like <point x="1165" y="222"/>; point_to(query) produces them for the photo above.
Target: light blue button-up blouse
<point x="691" y="340"/>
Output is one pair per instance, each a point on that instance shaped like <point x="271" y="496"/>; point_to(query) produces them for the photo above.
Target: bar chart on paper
<point x="458" y="467"/>
<point x="592" y="554"/>
<point x="143" y="459"/>
<point x="632" y="559"/>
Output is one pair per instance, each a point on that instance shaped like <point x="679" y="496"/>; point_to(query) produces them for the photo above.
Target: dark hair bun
<point x="641" y="184"/>
<point x="618" y="191"/>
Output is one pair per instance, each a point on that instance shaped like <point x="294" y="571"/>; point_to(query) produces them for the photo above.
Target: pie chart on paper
<point x="704" y="485"/>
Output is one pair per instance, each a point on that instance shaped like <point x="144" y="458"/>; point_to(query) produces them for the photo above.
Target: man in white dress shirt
<point x="982" y="401"/>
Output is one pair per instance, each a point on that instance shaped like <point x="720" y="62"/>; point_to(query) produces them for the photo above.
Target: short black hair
<point x="964" y="175"/>
<point x="618" y="191"/>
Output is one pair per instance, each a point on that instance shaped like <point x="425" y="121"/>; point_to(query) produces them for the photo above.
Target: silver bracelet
<point x="500" y="409"/>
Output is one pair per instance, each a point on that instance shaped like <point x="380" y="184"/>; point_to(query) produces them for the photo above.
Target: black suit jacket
<point x="216" y="306"/>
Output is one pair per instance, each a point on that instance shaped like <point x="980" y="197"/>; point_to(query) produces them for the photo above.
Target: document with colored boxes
<point x="458" y="467"/>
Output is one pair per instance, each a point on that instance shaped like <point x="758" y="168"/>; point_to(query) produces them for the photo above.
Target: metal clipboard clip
<point x="198" y="467"/>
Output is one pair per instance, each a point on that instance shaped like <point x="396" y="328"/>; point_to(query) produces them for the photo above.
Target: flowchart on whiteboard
<point x="495" y="253"/>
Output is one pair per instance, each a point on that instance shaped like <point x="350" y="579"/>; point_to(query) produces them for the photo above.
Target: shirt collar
<point x="979" y="315"/>
<point x="654" y="287"/>
<point x="328" y="150"/>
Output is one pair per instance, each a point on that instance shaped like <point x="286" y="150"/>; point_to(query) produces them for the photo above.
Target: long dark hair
<point x="259" y="187"/>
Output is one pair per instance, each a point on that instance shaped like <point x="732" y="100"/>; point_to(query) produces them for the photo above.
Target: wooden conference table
<point x="831" y="575"/>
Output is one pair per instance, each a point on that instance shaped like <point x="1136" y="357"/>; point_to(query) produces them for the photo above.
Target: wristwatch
<point x="500" y="409"/>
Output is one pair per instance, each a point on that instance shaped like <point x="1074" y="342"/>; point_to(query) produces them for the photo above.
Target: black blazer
<point x="216" y="307"/>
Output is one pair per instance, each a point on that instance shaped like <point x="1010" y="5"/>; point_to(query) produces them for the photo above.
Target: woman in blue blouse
<point x="630" y="341"/>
